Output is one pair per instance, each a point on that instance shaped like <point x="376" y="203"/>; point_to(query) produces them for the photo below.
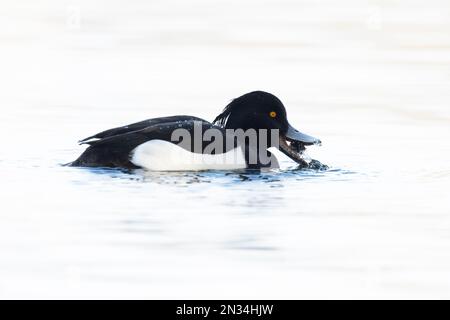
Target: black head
<point x="262" y="110"/>
<point x="254" y="110"/>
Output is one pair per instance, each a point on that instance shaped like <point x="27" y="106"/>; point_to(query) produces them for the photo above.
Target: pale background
<point x="370" y="78"/>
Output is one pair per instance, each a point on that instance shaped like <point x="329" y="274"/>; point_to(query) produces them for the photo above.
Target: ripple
<point x="316" y="171"/>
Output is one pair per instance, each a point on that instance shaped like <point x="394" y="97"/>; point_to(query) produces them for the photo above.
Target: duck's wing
<point x="136" y="127"/>
<point x="115" y="150"/>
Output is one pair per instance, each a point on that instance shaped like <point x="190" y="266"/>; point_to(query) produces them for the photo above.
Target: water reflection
<point x="186" y="178"/>
<point x="220" y="210"/>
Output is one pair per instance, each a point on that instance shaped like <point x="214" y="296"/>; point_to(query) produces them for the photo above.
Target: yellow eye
<point x="272" y="114"/>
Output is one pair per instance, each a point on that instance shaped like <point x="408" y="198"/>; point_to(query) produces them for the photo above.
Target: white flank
<point x="160" y="155"/>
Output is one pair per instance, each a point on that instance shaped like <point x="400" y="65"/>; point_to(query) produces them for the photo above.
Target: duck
<point x="238" y="138"/>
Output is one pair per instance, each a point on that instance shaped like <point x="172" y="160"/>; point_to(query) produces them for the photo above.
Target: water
<point x="371" y="79"/>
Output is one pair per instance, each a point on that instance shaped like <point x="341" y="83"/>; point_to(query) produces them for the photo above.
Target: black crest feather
<point x="221" y="119"/>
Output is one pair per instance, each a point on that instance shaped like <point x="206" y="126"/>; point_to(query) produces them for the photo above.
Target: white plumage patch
<point x="160" y="155"/>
